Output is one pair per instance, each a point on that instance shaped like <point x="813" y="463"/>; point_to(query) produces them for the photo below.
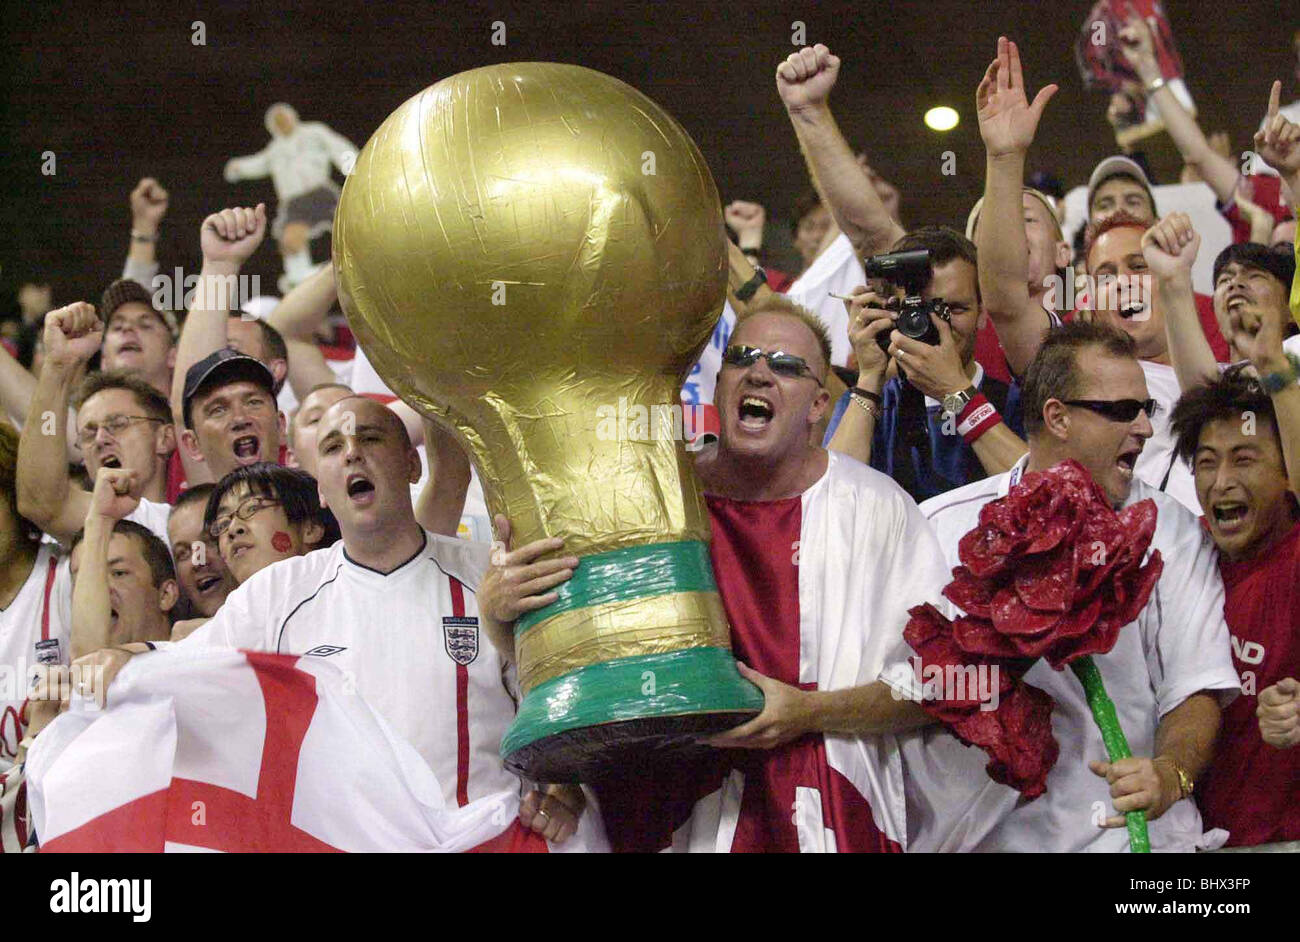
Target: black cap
<point x="224" y="366"/>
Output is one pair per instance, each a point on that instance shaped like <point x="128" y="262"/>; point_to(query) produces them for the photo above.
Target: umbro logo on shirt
<point x="324" y="650"/>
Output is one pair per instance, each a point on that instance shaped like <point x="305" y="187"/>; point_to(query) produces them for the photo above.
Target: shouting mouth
<point x="247" y="449"/>
<point x="754" y="413"/>
<point x="1126" y="462"/>
<point x="1230" y="515"/>
<point x="1137" y="311"/>
<point x="360" y="489"/>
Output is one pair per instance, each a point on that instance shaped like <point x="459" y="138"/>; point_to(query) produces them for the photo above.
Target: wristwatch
<point x="1276" y="382"/>
<point x="750" y="288"/>
<point x="953" y="403"/>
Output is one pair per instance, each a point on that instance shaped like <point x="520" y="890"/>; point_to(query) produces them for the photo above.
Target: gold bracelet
<point x="1185" y="783"/>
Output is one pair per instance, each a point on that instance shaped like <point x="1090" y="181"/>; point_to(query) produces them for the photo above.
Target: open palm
<point x="1007" y="119"/>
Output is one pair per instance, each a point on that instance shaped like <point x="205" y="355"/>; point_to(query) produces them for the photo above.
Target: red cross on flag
<point x="239" y="751"/>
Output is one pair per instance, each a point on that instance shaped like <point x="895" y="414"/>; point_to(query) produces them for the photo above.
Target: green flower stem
<point x="1103" y="713"/>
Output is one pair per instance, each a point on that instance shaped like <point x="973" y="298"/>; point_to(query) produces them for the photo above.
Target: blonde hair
<point x="775" y="303"/>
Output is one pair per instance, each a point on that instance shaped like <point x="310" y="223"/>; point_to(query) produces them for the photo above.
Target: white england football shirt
<point x="1177" y="647"/>
<point x="409" y="640"/>
<point x="1158" y="465"/>
<point x="34" y="629"/>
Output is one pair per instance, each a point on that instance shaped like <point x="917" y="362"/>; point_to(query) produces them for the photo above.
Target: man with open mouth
<point x="1086" y="399"/>
<point x="391" y="604"/>
<point x="230" y="415"/>
<point x="1126" y="299"/>
<point x="817" y="559"/>
<point x="1241" y="436"/>
<point x="121" y="421"/>
<point x="202" y="575"/>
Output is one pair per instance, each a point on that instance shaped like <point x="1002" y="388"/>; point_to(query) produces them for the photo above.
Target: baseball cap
<point x="127" y="290"/>
<point x="217" y="369"/>
<point x="1118" y="164"/>
<point x="974" y="215"/>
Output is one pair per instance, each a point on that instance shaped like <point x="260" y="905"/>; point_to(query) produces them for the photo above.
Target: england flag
<point x="247" y="752"/>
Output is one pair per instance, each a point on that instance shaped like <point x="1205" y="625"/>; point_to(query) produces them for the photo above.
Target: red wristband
<point x="976" y="418"/>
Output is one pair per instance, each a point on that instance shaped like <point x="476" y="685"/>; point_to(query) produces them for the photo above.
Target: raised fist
<point x="1170" y="246"/>
<point x="148" y="204"/>
<point x="116" y="493"/>
<point x="231" y="236"/>
<point x="72" y="334"/>
<point x="747" y="219"/>
<point x="806" y="77"/>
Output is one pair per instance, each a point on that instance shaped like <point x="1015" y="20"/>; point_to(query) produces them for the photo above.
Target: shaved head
<point x="364" y="410"/>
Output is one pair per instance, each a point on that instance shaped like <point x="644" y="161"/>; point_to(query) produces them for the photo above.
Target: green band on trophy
<point x="629" y="573"/>
<point x="698" y="680"/>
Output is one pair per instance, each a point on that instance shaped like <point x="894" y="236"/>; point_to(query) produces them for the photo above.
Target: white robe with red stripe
<point x="407" y="641"/>
<point x="202" y="749"/>
<point x="816" y="589"/>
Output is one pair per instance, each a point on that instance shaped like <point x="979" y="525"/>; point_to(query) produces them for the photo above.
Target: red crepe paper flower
<point x="1051" y="571"/>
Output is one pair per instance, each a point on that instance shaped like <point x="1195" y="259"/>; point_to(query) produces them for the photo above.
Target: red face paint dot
<point x="281" y="541"/>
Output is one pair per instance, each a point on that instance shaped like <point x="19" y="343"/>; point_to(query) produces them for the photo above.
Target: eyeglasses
<point x="1117" y="410"/>
<point x="115" y="426"/>
<point x="781" y="363"/>
<point x="246" y="510"/>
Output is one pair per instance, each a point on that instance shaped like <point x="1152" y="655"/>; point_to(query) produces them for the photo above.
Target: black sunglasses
<point x="781" y="363"/>
<point x="1117" y="410"/>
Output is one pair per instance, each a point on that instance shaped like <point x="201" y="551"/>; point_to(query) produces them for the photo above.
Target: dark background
<point x="117" y="91"/>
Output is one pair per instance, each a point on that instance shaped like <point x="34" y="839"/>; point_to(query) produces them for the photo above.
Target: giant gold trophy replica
<point x="525" y="251"/>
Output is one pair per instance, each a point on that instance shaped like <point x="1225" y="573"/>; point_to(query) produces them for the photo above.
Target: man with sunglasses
<point x="121" y="423"/>
<point x="1086" y="399"/>
<point x="817" y="559"/>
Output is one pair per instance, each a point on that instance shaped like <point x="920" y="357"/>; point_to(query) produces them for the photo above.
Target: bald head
<point x="352" y="412"/>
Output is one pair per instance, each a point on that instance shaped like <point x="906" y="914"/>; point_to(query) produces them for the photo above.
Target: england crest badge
<point x="460" y="634"/>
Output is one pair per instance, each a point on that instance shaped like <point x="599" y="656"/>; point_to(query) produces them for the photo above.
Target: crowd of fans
<point x="233" y="480"/>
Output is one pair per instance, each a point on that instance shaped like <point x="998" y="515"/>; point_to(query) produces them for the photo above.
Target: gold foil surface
<point x="522" y="250"/>
<point x="599" y="633"/>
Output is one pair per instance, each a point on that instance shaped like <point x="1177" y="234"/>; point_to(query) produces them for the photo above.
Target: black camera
<point x="910" y="271"/>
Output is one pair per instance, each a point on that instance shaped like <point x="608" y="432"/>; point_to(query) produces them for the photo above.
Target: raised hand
<point x="1007" y="119"/>
<point x="148" y="205"/>
<point x="72" y="334"/>
<point x="1138" y="46"/>
<point x="116" y="494"/>
<point x="230" y="237"/>
<point x="747" y="219"/>
<point x="806" y="77"/>
<point x="1170" y="246"/>
<point x="1278" y="141"/>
